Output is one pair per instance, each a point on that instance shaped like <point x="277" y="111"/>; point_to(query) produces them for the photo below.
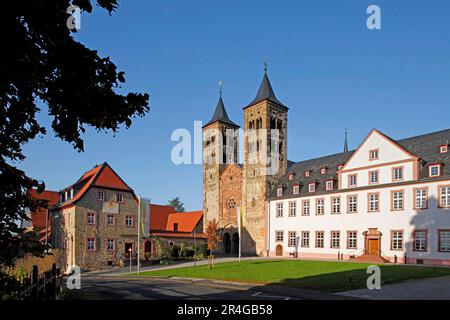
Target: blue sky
<point x="324" y="64"/>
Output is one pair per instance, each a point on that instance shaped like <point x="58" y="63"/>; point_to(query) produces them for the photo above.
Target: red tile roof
<point x="100" y="176"/>
<point x="186" y="221"/>
<point x="38" y="216"/>
<point x="159" y="215"/>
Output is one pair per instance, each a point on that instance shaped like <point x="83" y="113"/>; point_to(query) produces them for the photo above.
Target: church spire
<point x="220" y="114"/>
<point x="265" y="91"/>
<point x="345" y="142"/>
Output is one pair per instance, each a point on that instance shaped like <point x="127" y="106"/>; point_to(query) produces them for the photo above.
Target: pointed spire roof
<point x="220" y="114"/>
<point x="265" y="92"/>
<point x="345" y="142"/>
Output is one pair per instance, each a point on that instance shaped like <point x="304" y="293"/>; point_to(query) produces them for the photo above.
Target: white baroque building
<point x="386" y="201"/>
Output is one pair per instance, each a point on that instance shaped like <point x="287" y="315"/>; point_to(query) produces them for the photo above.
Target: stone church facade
<point x="229" y="184"/>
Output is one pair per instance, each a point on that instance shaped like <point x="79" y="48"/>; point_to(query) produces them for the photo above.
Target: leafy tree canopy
<point x="43" y="62"/>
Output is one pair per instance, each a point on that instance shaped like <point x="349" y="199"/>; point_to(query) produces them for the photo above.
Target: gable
<point x="388" y="152"/>
<point x="109" y="179"/>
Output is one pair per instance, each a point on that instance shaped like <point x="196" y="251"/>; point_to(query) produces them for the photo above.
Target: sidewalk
<point x="425" y="289"/>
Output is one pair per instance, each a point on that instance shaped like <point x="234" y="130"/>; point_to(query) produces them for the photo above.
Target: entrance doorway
<point x="128" y="246"/>
<point x="374" y="245"/>
<point x="148" y="250"/>
<point x="372" y="242"/>
<point x="235" y="241"/>
<point x="279" y="250"/>
<point x="226" y="243"/>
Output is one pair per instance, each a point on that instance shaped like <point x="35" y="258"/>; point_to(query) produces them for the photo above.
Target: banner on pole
<point x="145" y="217"/>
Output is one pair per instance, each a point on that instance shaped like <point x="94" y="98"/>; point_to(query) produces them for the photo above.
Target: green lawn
<point x="327" y="276"/>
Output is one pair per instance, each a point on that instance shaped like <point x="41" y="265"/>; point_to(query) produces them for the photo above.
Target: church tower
<point x="220" y="147"/>
<point x="265" y="160"/>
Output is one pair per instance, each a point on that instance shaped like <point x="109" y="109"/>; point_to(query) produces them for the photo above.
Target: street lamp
<point x="129" y="252"/>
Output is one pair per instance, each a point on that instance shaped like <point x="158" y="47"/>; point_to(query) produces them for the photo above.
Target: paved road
<point x="426" y="289"/>
<point x="100" y="287"/>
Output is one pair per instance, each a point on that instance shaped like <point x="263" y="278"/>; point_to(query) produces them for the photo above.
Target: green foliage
<point x="177" y="204"/>
<point x="43" y="65"/>
<point x="175" y="251"/>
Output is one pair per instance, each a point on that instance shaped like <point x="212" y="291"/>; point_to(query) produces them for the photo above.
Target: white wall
<point x="385" y="220"/>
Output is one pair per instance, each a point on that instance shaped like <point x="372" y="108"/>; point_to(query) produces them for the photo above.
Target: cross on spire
<point x="220" y="88"/>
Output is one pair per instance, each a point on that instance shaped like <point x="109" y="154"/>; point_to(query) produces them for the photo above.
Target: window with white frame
<point x="291" y="176"/>
<point x="397" y="240"/>
<point x="129" y="221"/>
<point x="335" y="239"/>
<point x="91" y="218"/>
<point x="443" y="148"/>
<point x="444" y="194"/>
<point x="312" y="187"/>
<point x="280" y="192"/>
<point x="101" y="195"/>
<point x="352" y="205"/>
<point x="307" y="173"/>
<point x="435" y="170"/>
<point x="420" y="198"/>
<point x="352" y="239"/>
<point x="323" y="170"/>
<point x="110" y="219"/>
<point x="296" y="189"/>
<point x="90" y="244"/>
<point x="374" y="154"/>
<point x="374" y="202"/>
<point x="292" y="240"/>
<point x="397" y="174"/>
<point x="397" y="200"/>
<point x="306" y="208"/>
<point x="335" y="205"/>
<point x="111" y="244"/>
<point x="320" y="239"/>
<point x="444" y="240"/>
<point x="305" y="239"/>
<point x="329" y="185"/>
<point x="279" y="236"/>
<point x="352" y="180"/>
<point x="320" y="206"/>
<point x="373" y="177"/>
<point x="279" y="209"/>
<point x="292" y="208"/>
<point x="420" y="240"/>
<point x="119" y="197"/>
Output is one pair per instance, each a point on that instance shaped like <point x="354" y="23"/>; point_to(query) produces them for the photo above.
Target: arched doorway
<point x="235" y="241"/>
<point x="148" y="249"/>
<point x="226" y="243"/>
<point x="279" y="250"/>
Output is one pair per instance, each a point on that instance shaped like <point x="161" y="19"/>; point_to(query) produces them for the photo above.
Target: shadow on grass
<point x="357" y="278"/>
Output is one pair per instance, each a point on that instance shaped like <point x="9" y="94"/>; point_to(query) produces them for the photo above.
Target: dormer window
<point x="66" y="196"/>
<point x="296" y="189"/>
<point x="434" y="170"/>
<point x="323" y="170"/>
<point x="312" y="187"/>
<point x="307" y="173"/>
<point x="291" y="176"/>
<point x="340" y="166"/>
<point x="71" y="193"/>
<point x="280" y="192"/>
<point x="329" y="185"/>
<point x="374" y="154"/>
<point x="443" y="148"/>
